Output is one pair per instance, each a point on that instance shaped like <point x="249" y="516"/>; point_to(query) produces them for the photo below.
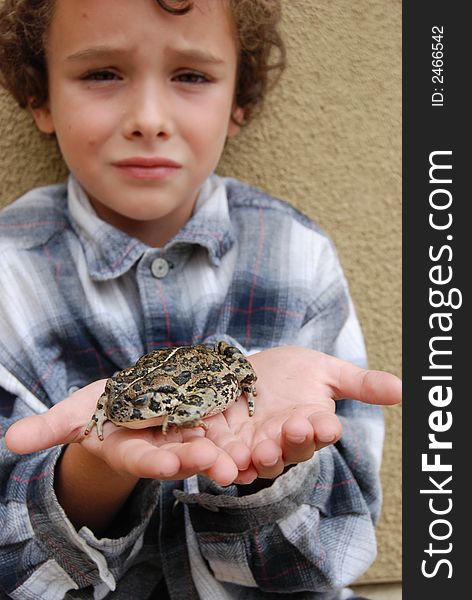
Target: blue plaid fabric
<point x="80" y="300"/>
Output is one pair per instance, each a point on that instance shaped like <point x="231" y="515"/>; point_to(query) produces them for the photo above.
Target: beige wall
<point x="329" y="143"/>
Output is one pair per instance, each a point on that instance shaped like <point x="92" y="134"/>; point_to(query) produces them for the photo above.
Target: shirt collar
<point x="210" y="224"/>
<point x="110" y="252"/>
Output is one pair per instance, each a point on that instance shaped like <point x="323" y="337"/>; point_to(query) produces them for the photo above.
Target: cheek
<point x="206" y="134"/>
<point x="79" y="149"/>
<point x="92" y="142"/>
<point x="89" y="123"/>
<point x="80" y="140"/>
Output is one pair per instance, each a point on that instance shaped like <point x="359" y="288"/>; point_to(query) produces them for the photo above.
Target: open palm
<point x="295" y="407"/>
<point x="294" y="415"/>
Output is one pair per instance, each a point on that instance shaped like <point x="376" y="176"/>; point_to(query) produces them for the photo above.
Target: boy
<point x="145" y="248"/>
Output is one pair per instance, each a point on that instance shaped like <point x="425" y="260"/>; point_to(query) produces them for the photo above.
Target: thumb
<point x="64" y="423"/>
<point x="32" y="434"/>
<point x="372" y="387"/>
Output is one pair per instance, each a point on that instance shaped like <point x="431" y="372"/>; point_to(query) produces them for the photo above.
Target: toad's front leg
<point x="191" y="412"/>
<point x="98" y="418"/>
<point x="181" y="418"/>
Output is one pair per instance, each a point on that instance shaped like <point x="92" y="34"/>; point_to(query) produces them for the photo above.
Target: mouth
<point x="151" y="168"/>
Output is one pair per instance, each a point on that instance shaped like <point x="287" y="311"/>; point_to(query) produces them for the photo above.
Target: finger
<point x="137" y="457"/>
<point x="222" y="437"/>
<point x="327" y="428"/>
<point x="239" y="453"/>
<point x="224" y="471"/>
<point x="297" y="440"/>
<point x="195" y="456"/>
<point x="156" y="463"/>
<point x="221" y="468"/>
<point x="267" y="459"/>
<point x="247" y="476"/>
<point x="372" y="387"/>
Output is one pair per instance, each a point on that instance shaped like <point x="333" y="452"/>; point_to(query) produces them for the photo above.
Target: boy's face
<point x="141" y="102"/>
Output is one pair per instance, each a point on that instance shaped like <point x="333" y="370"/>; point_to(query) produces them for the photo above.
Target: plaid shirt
<point x="80" y="300"/>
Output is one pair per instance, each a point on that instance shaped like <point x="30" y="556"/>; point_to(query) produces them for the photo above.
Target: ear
<point x="237" y="116"/>
<point x="43" y="118"/>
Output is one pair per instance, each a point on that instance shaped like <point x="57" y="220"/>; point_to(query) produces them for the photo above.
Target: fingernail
<point x="326" y="438"/>
<point x="205" y="466"/>
<point x="296" y="439"/>
<point x="269" y="463"/>
<point x="168" y="472"/>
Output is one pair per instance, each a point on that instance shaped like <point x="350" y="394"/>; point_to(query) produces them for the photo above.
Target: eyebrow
<point x="201" y="56"/>
<point x="194" y="54"/>
<point x="96" y="52"/>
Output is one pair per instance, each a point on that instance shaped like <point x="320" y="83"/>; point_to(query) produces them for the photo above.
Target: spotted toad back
<point x="176" y="387"/>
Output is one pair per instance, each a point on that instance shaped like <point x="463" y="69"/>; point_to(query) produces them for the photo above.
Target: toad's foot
<point x="98" y="418"/>
<point x="250" y="392"/>
<point x="180" y="422"/>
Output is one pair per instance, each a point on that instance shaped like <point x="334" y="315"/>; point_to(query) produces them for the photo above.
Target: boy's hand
<point x="295" y="404"/>
<point x="295" y="407"/>
<point x="143" y="453"/>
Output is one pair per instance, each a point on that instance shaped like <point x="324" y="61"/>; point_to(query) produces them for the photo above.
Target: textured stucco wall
<point x="330" y="143"/>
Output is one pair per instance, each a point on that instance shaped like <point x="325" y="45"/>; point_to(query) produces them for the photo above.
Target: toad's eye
<point x="192" y="77"/>
<point x="100" y="75"/>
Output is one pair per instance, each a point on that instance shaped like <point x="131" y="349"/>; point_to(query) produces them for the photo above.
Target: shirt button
<point x="159" y="268"/>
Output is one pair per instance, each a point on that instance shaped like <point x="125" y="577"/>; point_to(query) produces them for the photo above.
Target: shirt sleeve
<point x="313" y="529"/>
<point x="42" y="555"/>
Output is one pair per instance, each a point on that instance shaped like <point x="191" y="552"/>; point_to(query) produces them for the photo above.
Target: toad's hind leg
<point x="98" y="418"/>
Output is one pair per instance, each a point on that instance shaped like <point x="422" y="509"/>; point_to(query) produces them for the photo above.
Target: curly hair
<point x="24" y="28"/>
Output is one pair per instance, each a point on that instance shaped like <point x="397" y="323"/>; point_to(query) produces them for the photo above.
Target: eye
<point x="192" y="77"/>
<point x="100" y="75"/>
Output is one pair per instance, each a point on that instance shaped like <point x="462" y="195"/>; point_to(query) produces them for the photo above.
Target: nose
<point x="148" y="116"/>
